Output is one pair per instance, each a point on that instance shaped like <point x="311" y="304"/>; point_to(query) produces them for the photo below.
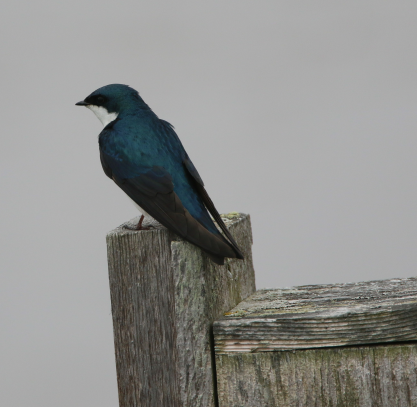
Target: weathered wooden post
<point x="344" y="345"/>
<point x="165" y="296"/>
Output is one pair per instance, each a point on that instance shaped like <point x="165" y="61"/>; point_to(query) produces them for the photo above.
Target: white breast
<point x="103" y="115"/>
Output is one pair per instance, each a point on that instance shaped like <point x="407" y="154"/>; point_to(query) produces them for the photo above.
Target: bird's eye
<point x="100" y="99"/>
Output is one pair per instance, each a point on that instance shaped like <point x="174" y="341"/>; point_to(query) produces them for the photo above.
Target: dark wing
<point x="152" y="189"/>
<point x="210" y="205"/>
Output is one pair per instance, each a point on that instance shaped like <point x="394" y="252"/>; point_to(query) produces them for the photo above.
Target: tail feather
<point x="212" y="209"/>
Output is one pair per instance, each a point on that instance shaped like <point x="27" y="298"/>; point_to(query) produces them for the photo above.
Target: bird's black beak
<point x="82" y="103"/>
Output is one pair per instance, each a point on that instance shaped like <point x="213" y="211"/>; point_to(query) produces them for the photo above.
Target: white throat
<point x="103" y="115"/>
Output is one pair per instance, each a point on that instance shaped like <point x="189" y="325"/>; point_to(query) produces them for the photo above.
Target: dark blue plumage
<point x="144" y="157"/>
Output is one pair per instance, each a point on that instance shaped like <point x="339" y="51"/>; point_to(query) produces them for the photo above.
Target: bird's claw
<point x="138" y="226"/>
<point x="135" y="228"/>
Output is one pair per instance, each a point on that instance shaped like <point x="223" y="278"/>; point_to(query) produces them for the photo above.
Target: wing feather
<point x="199" y="185"/>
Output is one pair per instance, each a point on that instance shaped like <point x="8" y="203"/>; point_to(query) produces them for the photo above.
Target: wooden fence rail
<point x="349" y="345"/>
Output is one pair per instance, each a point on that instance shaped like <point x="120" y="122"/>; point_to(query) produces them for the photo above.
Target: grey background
<point x="302" y="114"/>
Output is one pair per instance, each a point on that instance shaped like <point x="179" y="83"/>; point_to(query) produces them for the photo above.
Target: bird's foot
<point x="138" y="226"/>
<point x="135" y="228"/>
<point x="143" y="228"/>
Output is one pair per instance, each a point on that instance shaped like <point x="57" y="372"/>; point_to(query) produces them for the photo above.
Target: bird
<point x="144" y="156"/>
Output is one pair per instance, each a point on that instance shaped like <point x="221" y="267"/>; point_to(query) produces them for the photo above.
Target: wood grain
<point x="165" y="295"/>
<point x="369" y="376"/>
<point x="321" y="316"/>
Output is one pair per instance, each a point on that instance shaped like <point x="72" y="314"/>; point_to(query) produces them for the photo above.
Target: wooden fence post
<point x="165" y="295"/>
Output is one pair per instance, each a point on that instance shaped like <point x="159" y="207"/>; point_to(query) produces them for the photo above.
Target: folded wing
<point x="153" y="190"/>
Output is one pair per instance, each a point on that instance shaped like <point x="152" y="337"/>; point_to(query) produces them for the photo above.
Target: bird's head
<point x="110" y="100"/>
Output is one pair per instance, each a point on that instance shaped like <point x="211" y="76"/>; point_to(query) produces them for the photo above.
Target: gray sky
<point x="302" y="114"/>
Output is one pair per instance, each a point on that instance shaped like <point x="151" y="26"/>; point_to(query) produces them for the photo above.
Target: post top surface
<point x="229" y="219"/>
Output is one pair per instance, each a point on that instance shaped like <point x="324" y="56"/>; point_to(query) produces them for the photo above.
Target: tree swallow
<point x="143" y="155"/>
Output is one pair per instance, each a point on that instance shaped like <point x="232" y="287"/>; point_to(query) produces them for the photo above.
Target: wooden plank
<point x="321" y="316"/>
<point x="165" y="295"/>
<point x="368" y="376"/>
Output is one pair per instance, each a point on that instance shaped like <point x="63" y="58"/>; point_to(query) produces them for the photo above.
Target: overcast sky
<point x="302" y="114"/>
